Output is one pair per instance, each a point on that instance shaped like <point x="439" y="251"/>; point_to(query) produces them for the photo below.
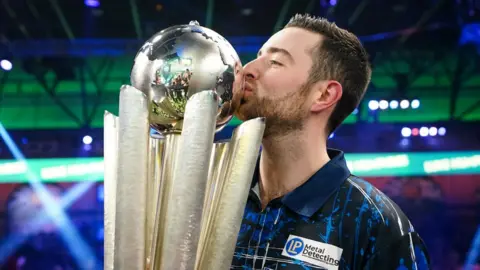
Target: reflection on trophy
<point x="176" y="200"/>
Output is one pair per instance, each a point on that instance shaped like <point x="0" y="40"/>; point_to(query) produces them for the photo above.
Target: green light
<point x="363" y="165"/>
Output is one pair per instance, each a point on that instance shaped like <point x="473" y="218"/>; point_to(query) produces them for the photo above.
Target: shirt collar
<point x="308" y="198"/>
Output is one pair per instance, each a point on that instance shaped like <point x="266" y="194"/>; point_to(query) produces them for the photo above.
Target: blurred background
<point x="416" y="135"/>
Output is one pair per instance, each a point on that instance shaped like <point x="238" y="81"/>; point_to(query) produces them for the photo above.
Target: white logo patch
<point x="313" y="252"/>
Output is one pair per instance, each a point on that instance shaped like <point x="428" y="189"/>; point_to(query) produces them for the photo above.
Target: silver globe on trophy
<point x="175" y="199"/>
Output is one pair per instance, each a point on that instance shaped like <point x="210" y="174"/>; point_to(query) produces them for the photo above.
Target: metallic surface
<point x="132" y="175"/>
<point x="165" y="177"/>
<point x="180" y="61"/>
<point x="110" y="149"/>
<point x="155" y="159"/>
<point x="216" y="174"/>
<point x="173" y="191"/>
<point x="185" y="205"/>
<point x="235" y="169"/>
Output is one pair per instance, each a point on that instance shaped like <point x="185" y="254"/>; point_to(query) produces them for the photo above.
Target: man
<point x="305" y="209"/>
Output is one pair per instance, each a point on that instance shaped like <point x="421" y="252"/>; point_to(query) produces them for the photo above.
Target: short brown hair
<point x="340" y="56"/>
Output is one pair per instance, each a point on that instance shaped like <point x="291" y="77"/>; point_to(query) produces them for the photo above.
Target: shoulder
<point x="380" y="220"/>
<point x="370" y="227"/>
<point x="378" y="206"/>
<point x="406" y="252"/>
<point x="385" y="228"/>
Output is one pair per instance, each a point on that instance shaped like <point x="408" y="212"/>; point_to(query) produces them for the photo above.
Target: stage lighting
<point x="405" y="142"/>
<point x="415" y="132"/>
<point x="442" y="131"/>
<point x="87" y="140"/>
<point x="383" y="104"/>
<point x="87" y="147"/>
<point x="404" y="104"/>
<point x="6" y="65"/>
<point x="424" y="131"/>
<point x="373" y="105"/>
<point x="393" y="104"/>
<point x="406" y="132"/>
<point x="92" y="3"/>
<point x="415" y="104"/>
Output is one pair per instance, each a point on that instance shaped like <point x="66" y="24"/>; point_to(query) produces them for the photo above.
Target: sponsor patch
<point x="313" y="252"/>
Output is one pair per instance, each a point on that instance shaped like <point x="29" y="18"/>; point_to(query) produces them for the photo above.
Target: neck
<point x="288" y="161"/>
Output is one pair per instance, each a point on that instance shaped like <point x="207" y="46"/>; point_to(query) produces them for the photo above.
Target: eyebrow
<point x="272" y="50"/>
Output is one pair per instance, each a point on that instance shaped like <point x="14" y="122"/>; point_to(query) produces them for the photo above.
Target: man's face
<point x="276" y="83"/>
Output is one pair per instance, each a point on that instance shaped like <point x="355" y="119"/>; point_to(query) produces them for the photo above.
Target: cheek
<point x="280" y="84"/>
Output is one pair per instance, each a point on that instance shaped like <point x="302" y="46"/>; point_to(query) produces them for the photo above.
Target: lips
<point x="247" y="88"/>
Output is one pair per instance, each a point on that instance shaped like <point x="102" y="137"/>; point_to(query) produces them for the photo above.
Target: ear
<point x="326" y="95"/>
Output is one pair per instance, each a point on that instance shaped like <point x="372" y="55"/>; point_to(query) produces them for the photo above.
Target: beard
<point x="282" y="115"/>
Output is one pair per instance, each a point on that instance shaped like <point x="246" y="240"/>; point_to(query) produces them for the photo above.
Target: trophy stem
<point x="156" y="148"/>
<point x="214" y="186"/>
<point x="132" y="176"/>
<point x="166" y="156"/>
<point x="185" y="207"/>
<point x="228" y="201"/>
<point x="110" y="185"/>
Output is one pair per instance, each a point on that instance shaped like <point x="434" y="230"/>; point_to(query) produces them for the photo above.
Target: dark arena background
<point x="416" y="135"/>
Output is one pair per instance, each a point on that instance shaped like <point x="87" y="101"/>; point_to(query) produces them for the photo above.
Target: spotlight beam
<point x="36" y="15"/>
<point x="282" y="15"/>
<point x="17" y="22"/>
<point x="136" y="19"/>
<point x="420" y="23"/>
<point x="63" y="20"/>
<point x="474" y="252"/>
<point x="80" y="250"/>
<point x="209" y="13"/>
<point x="33" y="10"/>
<point x="358" y="11"/>
<point x="11" y="244"/>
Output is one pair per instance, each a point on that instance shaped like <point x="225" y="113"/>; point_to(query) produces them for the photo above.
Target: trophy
<point x="174" y="198"/>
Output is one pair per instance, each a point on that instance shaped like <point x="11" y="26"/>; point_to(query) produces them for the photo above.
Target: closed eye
<point x="273" y="62"/>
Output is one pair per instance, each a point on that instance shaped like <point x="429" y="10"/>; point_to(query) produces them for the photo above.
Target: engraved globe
<point x="179" y="62"/>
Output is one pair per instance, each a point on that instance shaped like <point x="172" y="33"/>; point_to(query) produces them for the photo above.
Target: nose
<point x="251" y="70"/>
